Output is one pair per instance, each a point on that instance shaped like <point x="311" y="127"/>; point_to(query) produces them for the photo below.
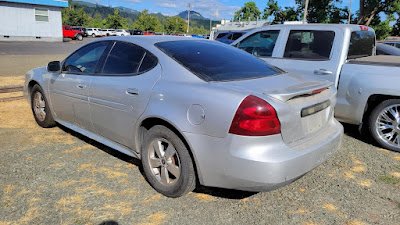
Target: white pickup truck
<point x="368" y="85"/>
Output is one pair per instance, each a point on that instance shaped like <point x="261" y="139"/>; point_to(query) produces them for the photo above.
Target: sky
<point x="226" y="8"/>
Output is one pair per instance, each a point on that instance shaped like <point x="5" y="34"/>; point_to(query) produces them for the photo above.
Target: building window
<point x="41" y="15"/>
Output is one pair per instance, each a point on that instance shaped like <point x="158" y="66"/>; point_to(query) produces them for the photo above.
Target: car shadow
<point x="361" y="135"/>
<point x="213" y="191"/>
<point x="223" y="193"/>
<point x="104" y="148"/>
<point x="109" y="222"/>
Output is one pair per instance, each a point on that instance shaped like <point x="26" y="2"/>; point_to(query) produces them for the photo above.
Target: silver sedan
<point x="192" y="110"/>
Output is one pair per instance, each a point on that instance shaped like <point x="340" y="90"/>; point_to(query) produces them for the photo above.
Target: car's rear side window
<point x="362" y="44"/>
<point x="312" y="45"/>
<point x="214" y="61"/>
<point x="124" y="58"/>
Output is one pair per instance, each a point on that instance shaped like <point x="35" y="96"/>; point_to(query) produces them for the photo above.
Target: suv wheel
<point x="79" y="37"/>
<point x="93" y="35"/>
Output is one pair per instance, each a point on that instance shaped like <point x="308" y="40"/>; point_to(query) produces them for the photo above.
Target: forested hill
<point x="197" y="20"/>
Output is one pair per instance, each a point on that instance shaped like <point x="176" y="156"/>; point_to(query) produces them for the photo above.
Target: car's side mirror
<point x="54" y="66"/>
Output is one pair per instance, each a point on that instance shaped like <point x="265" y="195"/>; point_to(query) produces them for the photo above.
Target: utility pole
<point x="305" y="12"/>
<point x="210" y="22"/>
<point x="190" y="6"/>
<point x="351" y="1"/>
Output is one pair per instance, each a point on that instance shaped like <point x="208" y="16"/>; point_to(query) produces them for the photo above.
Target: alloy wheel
<point x="39" y="105"/>
<point x="387" y="125"/>
<point x="164" y="161"/>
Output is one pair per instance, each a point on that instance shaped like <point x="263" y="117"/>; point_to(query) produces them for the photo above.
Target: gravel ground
<point x="55" y="176"/>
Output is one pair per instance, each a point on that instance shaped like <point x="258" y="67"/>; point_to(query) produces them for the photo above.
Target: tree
<point x="321" y="11"/>
<point x="371" y="8"/>
<point x="147" y="22"/>
<point x="249" y="10"/>
<point x="175" y="25"/>
<point x="97" y="21"/>
<point x="396" y="28"/>
<point x="115" y="21"/>
<point x="73" y="17"/>
<point x="280" y="15"/>
<point x="382" y="28"/>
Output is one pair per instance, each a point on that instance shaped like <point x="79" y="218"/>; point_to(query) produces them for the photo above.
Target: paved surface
<point x="55" y="176"/>
<point x="40" y="48"/>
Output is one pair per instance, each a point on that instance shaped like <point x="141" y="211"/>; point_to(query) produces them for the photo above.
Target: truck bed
<point x="377" y="60"/>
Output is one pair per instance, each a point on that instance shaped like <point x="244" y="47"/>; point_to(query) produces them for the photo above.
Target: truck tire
<point x="384" y="124"/>
<point x="167" y="164"/>
<point x="79" y="37"/>
<point x="93" y="35"/>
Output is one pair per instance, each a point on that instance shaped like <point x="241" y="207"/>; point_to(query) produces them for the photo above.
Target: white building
<point x="31" y="20"/>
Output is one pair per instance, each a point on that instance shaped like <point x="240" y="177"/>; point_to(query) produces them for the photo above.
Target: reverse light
<point x="255" y="117"/>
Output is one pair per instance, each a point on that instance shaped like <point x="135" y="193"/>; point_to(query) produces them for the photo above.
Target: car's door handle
<point x="81" y="86"/>
<point x="132" y="91"/>
<point x="322" y="72"/>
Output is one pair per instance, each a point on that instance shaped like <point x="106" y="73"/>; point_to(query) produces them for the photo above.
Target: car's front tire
<point x="40" y="108"/>
<point x="384" y="124"/>
<point x="167" y="163"/>
<point x="93" y="35"/>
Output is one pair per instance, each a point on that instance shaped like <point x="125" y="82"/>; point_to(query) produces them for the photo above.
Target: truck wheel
<point x="40" y="108"/>
<point x="167" y="163"/>
<point x="384" y="124"/>
<point x="93" y="35"/>
<point x="79" y="37"/>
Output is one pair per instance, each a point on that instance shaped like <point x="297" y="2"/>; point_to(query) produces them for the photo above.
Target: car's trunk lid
<point x="304" y="104"/>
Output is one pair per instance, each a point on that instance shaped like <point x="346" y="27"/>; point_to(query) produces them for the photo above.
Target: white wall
<point x="18" y="22"/>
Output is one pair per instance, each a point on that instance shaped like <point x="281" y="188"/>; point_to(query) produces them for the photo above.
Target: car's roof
<point x="152" y="39"/>
<point x="352" y="27"/>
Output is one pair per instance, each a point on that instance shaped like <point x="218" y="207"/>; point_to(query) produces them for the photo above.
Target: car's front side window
<point x="85" y="59"/>
<point x="260" y="44"/>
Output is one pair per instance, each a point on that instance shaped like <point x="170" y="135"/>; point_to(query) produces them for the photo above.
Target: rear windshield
<point x="221" y="35"/>
<point x="362" y="44"/>
<point x="214" y="61"/>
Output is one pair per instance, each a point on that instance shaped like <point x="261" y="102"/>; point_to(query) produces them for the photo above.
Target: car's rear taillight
<point x="255" y="117"/>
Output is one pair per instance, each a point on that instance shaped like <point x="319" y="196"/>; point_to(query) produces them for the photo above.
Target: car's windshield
<point x="214" y="61"/>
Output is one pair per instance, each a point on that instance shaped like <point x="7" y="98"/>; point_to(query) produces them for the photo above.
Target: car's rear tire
<point x="93" y="35"/>
<point x="40" y="108"/>
<point x="167" y="163"/>
<point x="79" y="37"/>
<point x="384" y="124"/>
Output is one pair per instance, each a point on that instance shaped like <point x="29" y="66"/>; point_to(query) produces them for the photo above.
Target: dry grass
<point x="12" y="80"/>
<point x="11" y="94"/>
<point x="329" y="207"/>
<point x="16" y="114"/>
<point x="154" y="219"/>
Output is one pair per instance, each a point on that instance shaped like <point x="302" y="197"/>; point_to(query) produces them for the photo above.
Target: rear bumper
<point x="260" y="163"/>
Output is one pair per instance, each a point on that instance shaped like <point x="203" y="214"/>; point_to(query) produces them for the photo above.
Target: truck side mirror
<point x="54" y="66"/>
